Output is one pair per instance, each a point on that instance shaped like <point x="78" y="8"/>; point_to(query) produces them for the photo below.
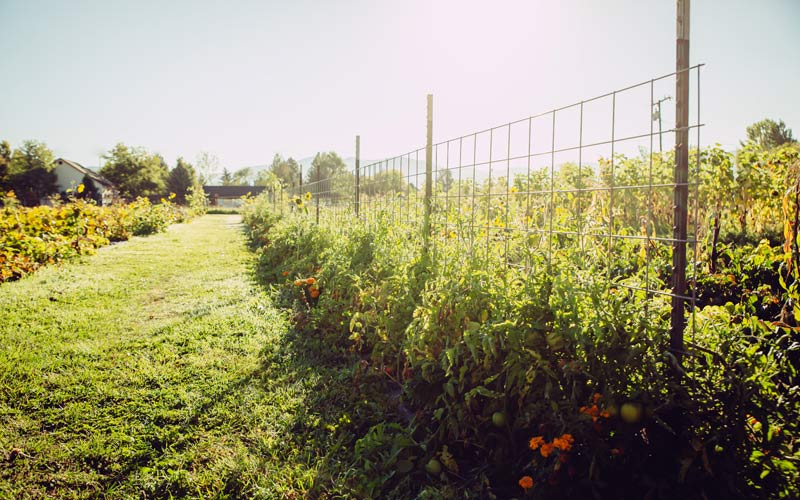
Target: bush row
<point x="31" y="237"/>
<point x="494" y="382"/>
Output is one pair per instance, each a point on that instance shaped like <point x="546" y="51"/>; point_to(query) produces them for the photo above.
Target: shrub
<point x="31" y="237"/>
<point x="557" y="374"/>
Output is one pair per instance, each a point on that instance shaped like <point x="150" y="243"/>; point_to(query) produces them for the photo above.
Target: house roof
<point x="233" y="191"/>
<point x="85" y="171"/>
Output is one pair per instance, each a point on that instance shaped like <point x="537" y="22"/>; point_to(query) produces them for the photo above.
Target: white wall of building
<point x="67" y="177"/>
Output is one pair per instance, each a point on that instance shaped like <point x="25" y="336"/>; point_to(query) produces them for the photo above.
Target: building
<point x="70" y="174"/>
<point x="230" y="196"/>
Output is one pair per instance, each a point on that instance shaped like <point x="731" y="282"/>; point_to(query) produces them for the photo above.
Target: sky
<point x="247" y="79"/>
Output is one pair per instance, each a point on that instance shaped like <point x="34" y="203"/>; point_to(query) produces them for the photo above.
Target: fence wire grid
<point x="592" y="180"/>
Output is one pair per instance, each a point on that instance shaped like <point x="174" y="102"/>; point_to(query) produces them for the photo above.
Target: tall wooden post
<point x="358" y="173"/>
<point x="319" y="193"/>
<point x="681" y="194"/>
<point x="426" y="225"/>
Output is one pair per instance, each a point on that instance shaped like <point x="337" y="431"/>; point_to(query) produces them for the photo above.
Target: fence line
<point x="582" y="179"/>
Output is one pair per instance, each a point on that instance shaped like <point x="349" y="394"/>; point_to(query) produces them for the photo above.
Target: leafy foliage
<point x="769" y="134"/>
<point x="287" y="171"/>
<point x="31" y="173"/>
<point x="5" y="164"/>
<point x="504" y="370"/>
<point x="37" y="236"/>
<point x="181" y="180"/>
<point x="135" y="172"/>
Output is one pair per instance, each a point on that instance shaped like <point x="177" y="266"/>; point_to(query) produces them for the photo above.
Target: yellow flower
<point x="172" y="196"/>
<point x="308" y="195"/>
<point x="526" y="482"/>
<point x="80" y="189"/>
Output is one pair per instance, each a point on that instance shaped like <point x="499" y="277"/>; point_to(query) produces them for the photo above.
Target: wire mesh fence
<point x="589" y="185"/>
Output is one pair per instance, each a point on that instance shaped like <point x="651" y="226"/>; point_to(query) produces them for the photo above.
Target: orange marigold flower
<point x="286" y="273"/>
<point x="314" y="293"/>
<point x="526" y="482"/>
<point x="546" y="449"/>
<point x="298" y="282"/>
<point x="536" y="442"/>
<point x="311" y="281"/>
<point x="597" y="397"/>
<point x="592" y="411"/>
<point x="605" y="414"/>
<point x="564" y="443"/>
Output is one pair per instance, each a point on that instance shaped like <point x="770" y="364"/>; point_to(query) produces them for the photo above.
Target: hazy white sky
<point x="245" y="80"/>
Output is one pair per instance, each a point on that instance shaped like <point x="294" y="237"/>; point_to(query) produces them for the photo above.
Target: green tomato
<point x="631" y="412"/>
<point x="499" y="419"/>
<point x="433" y="467"/>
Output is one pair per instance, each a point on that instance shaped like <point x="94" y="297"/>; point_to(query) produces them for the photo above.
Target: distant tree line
<point x="287" y="172"/>
<point x="28" y="171"/>
<point x="137" y="172"/>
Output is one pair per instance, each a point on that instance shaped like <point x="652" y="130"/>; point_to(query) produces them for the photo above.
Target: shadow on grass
<point x="343" y="397"/>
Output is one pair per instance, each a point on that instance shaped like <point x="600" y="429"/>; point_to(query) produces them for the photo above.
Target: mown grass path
<point x="151" y="370"/>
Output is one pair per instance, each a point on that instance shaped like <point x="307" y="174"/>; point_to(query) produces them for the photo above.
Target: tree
<point x="207" y="167"/>
<point x="227" y="178"/>
<point x="31" y="174"/>
<point x="242" y="176"/>
<point x="288" y="171"/>
<point x="5" y="164"/>
<point x="387" y="181"/>
<point x="444" y="180"/>
<point x="328" y="176"/>
<point x="181" y="180"/>
<point x="325" y="166"/>
<point x="135" y="172"/>
<point x="769" y="134"/>
<point x="267" y="178"/>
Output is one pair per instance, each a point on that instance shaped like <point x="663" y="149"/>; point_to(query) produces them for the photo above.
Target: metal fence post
<point x="358" y="173"/>
<point x="428" y="202"/>
<point x="681" y="194"/>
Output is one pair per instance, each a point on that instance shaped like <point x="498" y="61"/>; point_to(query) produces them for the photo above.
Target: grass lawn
<point x="155" y="369"/>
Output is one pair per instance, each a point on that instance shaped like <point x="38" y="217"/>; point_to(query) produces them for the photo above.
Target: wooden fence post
<point x="426" y="225"/>
<point x="681" y="193"/>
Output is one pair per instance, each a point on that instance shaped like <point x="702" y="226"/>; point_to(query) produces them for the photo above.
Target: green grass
<point x="157" y="369"/>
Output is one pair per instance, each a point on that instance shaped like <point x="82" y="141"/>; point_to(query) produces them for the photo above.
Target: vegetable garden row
<point x="31" y="237"/>
<point x="493" y="370"/>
